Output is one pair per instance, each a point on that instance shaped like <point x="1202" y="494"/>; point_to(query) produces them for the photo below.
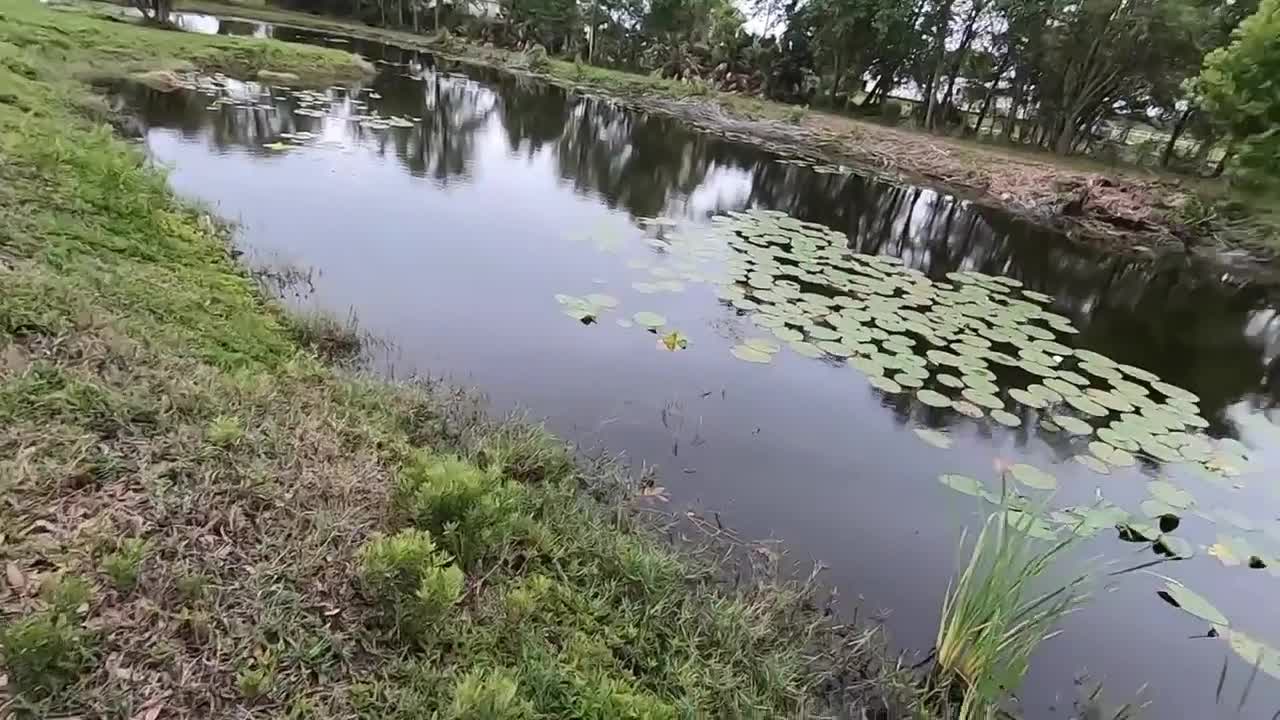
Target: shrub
<point x="489" y="695"/>
<point x="471" y="511"/>
<point x="46" y="652"/>
<point x="412" y="579"/>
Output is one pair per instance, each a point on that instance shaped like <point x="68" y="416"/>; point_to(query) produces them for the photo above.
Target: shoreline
<point x="1129" y="212"/>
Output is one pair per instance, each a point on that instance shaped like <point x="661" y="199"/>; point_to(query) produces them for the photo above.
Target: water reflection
<point x="1217" y="339"/>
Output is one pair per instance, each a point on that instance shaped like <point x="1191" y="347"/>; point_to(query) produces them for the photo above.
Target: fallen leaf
<point x="15" y="578"/>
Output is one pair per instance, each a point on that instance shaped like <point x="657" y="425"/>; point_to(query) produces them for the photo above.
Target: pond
<point x="799" y="349"/>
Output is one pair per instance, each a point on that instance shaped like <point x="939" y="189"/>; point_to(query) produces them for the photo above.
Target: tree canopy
<point x="1069" y="76"/>
<point x="1240" y="87"/>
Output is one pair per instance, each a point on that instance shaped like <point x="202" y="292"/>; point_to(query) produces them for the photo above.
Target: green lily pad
<point x="968" y="409"/>
<point x="867" y="366"/>
<point x="1073" y="425"/>
<point x="1254" y="652"/>
<point x="1170" y="494"/>
<point x="764" y="345"/>
<point x="602" y="300"/>
<point x="1086" y="406"/>
<point x="1093" y="464"/>
<point x="1047" y="394"/>
<point x="1033" y="477"/>
<point x="787" y="334"/>
<point x="982" y="399"/>
<point x="909" y="380"/>
<point x="1006" y="418"/>
<point x="1111" y="455"/>
<point x="1173" y="391"/>
<point x="1026" y="398"/>
<point x="964" y="484"/>
<point x="933" y="398"/>
<point x="935" y="438"/>
<point x="750" y="354"/>
<point x="884" y="384"/>
<point x="950" y="381"/>
<point x="1175" y="546"/>
<point x="649" y="320"/>
<point x="1196" y="605"/>
<point x="1158" y="508"/>
<point x="1144" y="375"/>
<point x="806" y="349"/>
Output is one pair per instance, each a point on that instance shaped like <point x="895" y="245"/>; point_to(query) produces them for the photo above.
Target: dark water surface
<point x="450" y="237"/>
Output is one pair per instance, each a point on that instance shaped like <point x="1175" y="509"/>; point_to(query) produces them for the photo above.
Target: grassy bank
<point x="203" y="517"/>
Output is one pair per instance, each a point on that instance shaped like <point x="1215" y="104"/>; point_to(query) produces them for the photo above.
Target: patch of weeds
<point x="67" y="594"/>
<point x="192" y="587"/>
<point x="996" y="612"/>
<point x="124" y="566"/>
<point x="415" y="582"/>
<point x="489" y="695"/>
<point x="46" y="652"/>
<point x="525" y="452"/>
<point x="473" y="512"/>
<point x="225" y="431"/>
<point x="796" y="113"/>
<point x="330" y="339"/>
<point x="256" y="678"/>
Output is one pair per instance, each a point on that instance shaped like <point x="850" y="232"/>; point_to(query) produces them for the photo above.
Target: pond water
<point x="473" y="219"/>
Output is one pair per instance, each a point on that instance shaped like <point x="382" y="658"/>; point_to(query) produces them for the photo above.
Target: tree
<point x="1240" y="87"/>
<point x="156" y="11"/>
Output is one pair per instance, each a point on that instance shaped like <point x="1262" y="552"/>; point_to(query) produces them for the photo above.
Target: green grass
<point x="86" y="41"/>
<point x="999" y="610"/>
<point x="189" y="484"/>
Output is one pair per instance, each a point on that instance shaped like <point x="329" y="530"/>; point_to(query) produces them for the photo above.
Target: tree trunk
<point x="1011" y="124"/>
<point x="1178" y="128"/>
<point x="943" y="25"/>
<point x="382" y="11"/>
<point x="436" y="28"/>
<point x="591" y="39"/>
<point x="990" y="94"/>
<point x="881" y="89"/>
<point x="966" y="40"/>
<point x="835" y="81"/>
<point x="1066" y="136"/>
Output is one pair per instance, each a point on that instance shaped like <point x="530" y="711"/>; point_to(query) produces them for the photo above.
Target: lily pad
<point x="968" y="409"/>
<point x="651" y="320"/>
<point x="935" y="438"/>
<point x="1086" y="406"/>
<point x="806" y="349"/>
<point x="1170" y="494"/>
<point x="764" y="345"/>
<point x="750" y="354"/>
<point x="1111" y="455"/>
<point x="982" y="399"/>
<point x="1093" y="464"/>
<point x="964" y="484"/>
<point x="1175" y="547"/>
<point x="1026" y="398"/>
<point x="1254" y="652"/>
<point x="884" y="384"/>
<point x="1033" y="477"/>
<point x="1073" y="425"/>
<point x="950" y="381"/>
<point x="1196" y="605"/>
<point x="1006" y="418"/>
<point x="933" y="398"/>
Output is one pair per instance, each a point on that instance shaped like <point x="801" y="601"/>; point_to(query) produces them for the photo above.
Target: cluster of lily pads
<point x="980" y="346"/>
<point x="230" y="93"/>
